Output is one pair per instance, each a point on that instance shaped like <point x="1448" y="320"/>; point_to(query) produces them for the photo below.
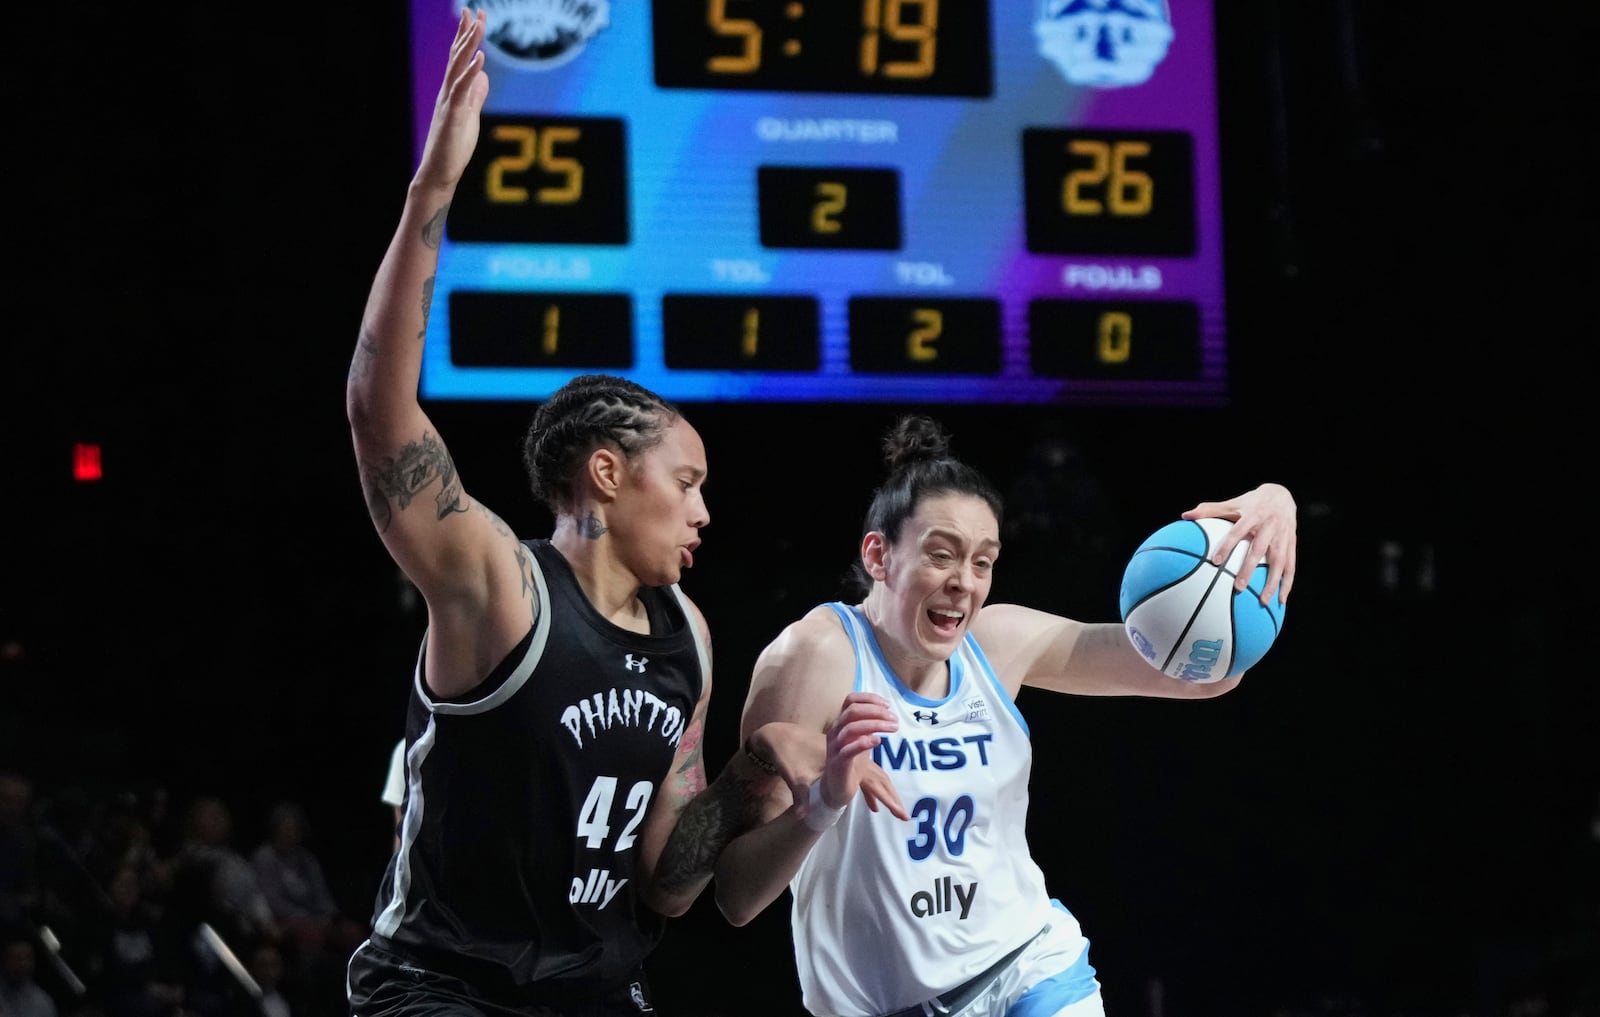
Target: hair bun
<point x="914" y="438"/>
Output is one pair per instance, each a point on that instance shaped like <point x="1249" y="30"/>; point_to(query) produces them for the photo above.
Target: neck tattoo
<point x="590" y="527"/>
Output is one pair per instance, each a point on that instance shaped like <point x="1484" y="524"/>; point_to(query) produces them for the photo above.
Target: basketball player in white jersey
<point x="946" y="913"/>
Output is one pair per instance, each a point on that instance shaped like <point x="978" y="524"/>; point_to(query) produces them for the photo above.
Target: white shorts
<point x="1052" y="977"/>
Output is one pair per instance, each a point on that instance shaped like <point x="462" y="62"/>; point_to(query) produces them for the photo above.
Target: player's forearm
<point x="711" y="820"/>
<point x="387" y="362"/>
<point x="755" y="869"/>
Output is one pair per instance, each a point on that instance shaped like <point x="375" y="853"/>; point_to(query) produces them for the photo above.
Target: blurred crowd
<point x="126" y="904"/>
<point x="129" y="904"/>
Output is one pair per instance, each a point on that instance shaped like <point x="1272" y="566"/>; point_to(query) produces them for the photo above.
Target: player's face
<point x="938" y="573"/>
<point x="662" y="507"/>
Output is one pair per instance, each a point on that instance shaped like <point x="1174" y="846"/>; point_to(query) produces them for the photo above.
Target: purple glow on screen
<point x="1125" y="68"/>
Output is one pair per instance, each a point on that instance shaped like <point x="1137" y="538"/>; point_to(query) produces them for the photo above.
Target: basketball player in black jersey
<point x="556" y="804"/>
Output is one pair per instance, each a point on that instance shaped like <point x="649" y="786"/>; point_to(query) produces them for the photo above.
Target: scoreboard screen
<point x="939" y="201"/>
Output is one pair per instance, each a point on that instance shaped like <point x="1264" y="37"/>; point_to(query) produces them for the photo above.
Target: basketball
<point x="1181" y="611"/>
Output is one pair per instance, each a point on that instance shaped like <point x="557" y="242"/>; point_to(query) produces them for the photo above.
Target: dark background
<point x="1393" y="813"/>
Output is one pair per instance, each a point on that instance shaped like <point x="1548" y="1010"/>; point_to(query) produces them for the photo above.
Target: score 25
<point x="544" y="180"/>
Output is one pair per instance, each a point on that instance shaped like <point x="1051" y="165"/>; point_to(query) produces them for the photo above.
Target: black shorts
<point x="382" y="983"/>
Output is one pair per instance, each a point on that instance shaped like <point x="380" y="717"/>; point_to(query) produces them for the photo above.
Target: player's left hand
<point x="1266" y="518"/>
<point x="862" y="721"/>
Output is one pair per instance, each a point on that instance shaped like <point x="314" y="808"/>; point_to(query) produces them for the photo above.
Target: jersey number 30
<point x="952" y="829"/>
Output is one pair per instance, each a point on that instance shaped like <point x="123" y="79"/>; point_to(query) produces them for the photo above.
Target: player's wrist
<point x="820" y="816"/>
<point x="429" y="192"/>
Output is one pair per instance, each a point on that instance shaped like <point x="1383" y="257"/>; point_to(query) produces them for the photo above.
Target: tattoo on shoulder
<point x="591" y="527"/>
<point x="402" y="477"/>
<point x="525" y="570"/>
<point x="499" y="524"/>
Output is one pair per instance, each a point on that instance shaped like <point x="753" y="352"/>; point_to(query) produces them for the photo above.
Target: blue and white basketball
<point x="1181" y="611"/>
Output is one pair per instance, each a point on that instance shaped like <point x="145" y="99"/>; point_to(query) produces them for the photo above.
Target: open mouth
<point x="945" y="621"/>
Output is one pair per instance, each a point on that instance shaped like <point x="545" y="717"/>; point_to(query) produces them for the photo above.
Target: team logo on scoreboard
<point x="1104" y="43"/>
<point x="541" y="34"/>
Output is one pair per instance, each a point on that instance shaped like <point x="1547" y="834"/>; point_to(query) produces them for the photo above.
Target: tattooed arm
<point x="690" y="822"/>
<point x="761" y="769"/>
<point x="670" y="880"/>
<point x="465" y="561"/>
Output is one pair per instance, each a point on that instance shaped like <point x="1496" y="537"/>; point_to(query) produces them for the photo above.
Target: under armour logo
<point x="635" y="665"/>
<point x="636" y="994"/>
<point x="930" y="717"/>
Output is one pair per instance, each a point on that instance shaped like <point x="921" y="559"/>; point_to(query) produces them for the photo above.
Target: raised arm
<point x="463" y="559"/>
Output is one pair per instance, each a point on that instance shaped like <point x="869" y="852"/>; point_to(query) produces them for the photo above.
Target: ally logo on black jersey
<point x="596" y="888"/>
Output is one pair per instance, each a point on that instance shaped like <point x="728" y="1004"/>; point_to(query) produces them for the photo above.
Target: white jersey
<point x="889" y="913"/>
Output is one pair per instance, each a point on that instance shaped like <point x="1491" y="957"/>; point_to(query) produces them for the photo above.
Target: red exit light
<point x="85" y="463"/>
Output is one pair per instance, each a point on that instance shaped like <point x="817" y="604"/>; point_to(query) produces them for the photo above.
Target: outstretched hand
<point x="862" y="721"/>
<point x="1266" y="518"/>
<point x="453" y="133"/>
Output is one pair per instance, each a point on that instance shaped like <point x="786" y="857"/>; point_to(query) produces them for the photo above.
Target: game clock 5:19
<point x="895" y="47"/>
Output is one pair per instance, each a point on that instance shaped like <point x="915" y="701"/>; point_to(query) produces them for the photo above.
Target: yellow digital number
<point x="535" y="149"/>
<point x="552" y="330"/>
<point x="752" y="333"/>
<point x="1114" y="344"/>
<point x="1127" y="192"/>
<point x="501" y="192"/>
<point x="560" y="165"/>
<point x="879" y="20"/>
<point x="919" y="344"/>
<point x="746" y="61"/>
<point x="830" y="202"/>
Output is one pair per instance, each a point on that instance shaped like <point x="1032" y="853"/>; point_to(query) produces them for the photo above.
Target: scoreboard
<point x="941" y="201"/>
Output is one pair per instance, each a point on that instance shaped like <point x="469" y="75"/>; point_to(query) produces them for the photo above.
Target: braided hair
<point x="916" y="451"/>
<point x="589" y="412"/>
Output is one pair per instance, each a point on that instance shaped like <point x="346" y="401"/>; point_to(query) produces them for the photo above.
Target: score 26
<point x="1108" y="192"/>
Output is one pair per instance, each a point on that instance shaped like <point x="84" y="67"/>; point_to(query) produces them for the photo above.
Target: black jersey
<point x="525" y="800"/>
